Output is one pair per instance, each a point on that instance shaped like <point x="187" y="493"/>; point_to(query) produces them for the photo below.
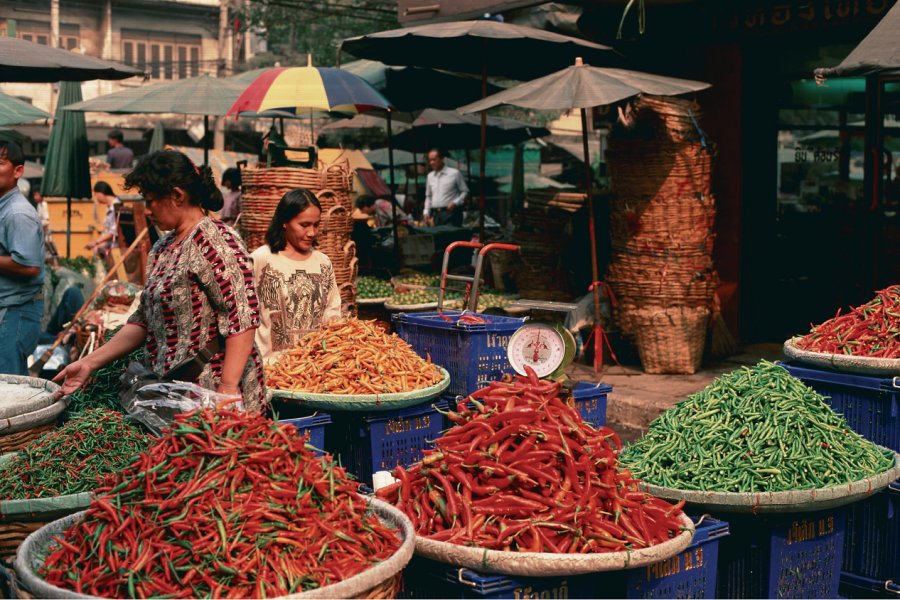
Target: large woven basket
<point x="16" y="441"/>
<point x="670" y="340"/>
<point x="379" y="581"/>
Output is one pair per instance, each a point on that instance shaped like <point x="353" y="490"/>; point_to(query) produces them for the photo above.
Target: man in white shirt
<point x="445" y="192"/>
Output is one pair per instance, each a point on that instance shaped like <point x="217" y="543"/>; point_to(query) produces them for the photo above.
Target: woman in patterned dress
<point x="199" y="287"/>
<point x="296" y="283"/>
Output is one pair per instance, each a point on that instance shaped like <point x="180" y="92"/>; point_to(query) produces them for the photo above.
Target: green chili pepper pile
<point x="226" y="504"/>
<point x="102" y="390"/>
<point x="77" y="457"/>
<point x="756" y="429"/>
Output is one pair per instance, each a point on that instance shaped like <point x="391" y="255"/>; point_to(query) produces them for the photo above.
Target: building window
<point x="39" y="32"/>
<point x="171" y="56"/>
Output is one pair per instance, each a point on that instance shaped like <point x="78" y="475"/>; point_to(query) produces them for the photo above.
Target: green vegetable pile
<point x="77" y="457"/>
<point x="422" y="279"/>
<point x="102" y="390"/>
<point x="372" y="287"/>
<point x="79" y="264"/>
<point x="756" y="429"/>
<point x="413" y="297"/>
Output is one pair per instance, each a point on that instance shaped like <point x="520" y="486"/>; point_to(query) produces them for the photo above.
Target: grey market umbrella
<point x="450" y="130"/>
<point x="417" y="88"/>
<point x="23" y="61"/>
<point x="67" y="172"/>
<point x="581" y="86"/>
<point x="158" y="139"/>
<point x="379" y="158"/>
<point x="484" y="47"/>
<point x="14" y="111"/>
<point x="203" y="96"/>
<point x="877" y="54"/>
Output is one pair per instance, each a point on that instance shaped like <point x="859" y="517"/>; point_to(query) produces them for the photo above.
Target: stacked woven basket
<point x="263" y="189"/>
<point x="538" y="270"/>
<point x="661" y="219"/>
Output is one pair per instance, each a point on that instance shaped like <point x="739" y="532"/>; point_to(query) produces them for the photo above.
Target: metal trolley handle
<point x="479" y="263"/>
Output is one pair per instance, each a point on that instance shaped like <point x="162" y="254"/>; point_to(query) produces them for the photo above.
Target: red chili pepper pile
<point x="226" y="504"/>
<point x="872" y="329"/>
<point x="522" y="471"/>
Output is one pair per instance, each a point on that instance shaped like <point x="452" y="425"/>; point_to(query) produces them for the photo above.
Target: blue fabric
<point x="22" y="238"/>
<point x="20" y="327"/>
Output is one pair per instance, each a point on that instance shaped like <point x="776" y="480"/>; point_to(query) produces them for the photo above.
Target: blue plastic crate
<point x="473" y="354"/>
<point x="785" y="556"/>
<point x="313" y="425"/>
<point x="691" y="574"/>
<point x="590" y="399"/>
<point x="870" y="404"/>
<point x="857" y="586"/>
<point x="379" y="441"/>
<point x="872" y="547"/>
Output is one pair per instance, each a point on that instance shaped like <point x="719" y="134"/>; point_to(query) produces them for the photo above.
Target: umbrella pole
<point x="68" y="225"/>
<point x="592" y="228"/>
<point x="390" y="142"/>
<point x="482" y="158"/>
<point x="205" y="141"/>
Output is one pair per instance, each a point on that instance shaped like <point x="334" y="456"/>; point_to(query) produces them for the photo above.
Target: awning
<point x="41" y="133"/>
<point x="374" y="184"/>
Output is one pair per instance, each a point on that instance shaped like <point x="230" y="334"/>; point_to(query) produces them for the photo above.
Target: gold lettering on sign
<point x="781" y="14"/>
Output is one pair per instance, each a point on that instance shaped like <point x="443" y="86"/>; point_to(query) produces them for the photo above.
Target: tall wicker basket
<point x="670" y="340"/>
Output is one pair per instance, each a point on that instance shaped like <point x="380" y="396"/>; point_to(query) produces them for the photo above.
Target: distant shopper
<point x="21" y="266"/>
<point x="445" y="192"/>
<point x="366" y="207"/>
<point x="105" y="196"/>
<point x="119" y="155"/>
<point x="231" y="181"/>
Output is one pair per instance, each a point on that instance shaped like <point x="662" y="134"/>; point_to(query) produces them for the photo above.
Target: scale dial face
<point x="538" y="346"/>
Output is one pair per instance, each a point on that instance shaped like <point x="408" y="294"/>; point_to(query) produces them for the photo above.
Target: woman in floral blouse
<point x="199" y="287"/>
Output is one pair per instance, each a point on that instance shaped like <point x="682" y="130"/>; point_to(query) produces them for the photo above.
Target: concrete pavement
<point x="637" y="397"/>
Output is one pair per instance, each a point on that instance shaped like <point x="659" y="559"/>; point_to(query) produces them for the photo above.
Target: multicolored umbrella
<point x="301" y="89"/>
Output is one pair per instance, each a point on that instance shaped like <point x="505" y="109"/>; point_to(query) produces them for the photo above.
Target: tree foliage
<point x="295" y="28"/>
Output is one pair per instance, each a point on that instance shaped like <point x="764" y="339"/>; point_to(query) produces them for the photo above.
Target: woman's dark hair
<point x="103" y="188"/>
<point x="291" y="204"/>
<point x="365" y="201"/>
<point x="159" y="173"/>
<point x="233" y="176"/>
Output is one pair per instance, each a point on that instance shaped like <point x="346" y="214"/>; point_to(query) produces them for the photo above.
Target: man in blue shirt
<point x="445" y="192"/>
<point x="21" y="266"/>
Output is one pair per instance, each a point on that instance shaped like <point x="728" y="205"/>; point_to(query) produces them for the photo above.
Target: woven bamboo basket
<point x="13" y="534"/>
<point x="14" y="442"/>
<point x="670" y="340"/>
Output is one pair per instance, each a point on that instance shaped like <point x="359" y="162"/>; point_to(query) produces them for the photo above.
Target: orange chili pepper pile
<point x="521" y="471"/>
<point x="226" y="504"/>
<point x="351" y="357"/>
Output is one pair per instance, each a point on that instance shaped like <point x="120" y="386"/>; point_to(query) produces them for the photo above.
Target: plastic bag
<point x="155" y="401"/>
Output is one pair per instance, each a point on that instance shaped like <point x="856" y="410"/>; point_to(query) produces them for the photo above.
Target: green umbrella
<point x="203" y="95"/>
<point x="14" y="111"/>
<point x="66" y="172"/>
<point x="158" y="141"/>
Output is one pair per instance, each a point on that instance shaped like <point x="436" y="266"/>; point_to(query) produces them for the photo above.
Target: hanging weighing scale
<point x="548" y="348"/>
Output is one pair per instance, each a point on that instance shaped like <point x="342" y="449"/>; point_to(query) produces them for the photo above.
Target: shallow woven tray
<point x="359" y="585"/>
<point x="411" y="307"/>
<point x="780" y="502"/>
<point x="847" y="363"/>
<point x="356" y="402"/>
<point x="370" y="301"/>
<point x="546" y="564"/>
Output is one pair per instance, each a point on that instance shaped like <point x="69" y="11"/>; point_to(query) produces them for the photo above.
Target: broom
<point x="722" y="343"/>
